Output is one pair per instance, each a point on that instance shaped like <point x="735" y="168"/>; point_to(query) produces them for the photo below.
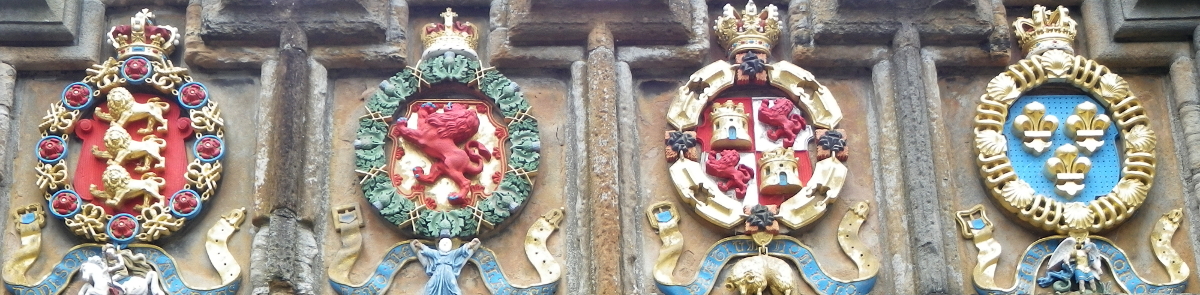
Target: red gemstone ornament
<point x="209" y="148"/>
<point x="193" y="95"/>
<point x="65" y="203"/>
<point x="122" y="227"/>
<point x="135" y="68"/>
<point x="50" y="149"/>
<point x="185" y="203"/>
<point x="77" y="96"/>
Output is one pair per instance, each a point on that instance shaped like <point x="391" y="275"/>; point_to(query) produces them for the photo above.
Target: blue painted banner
<point x="402" y="254"/>
<point x="1118" y="262"/>
<point x="169" y="275"/>
<point x="789" y="249"/>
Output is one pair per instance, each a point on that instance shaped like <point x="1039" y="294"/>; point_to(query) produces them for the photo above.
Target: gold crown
<point x="728" y="108"/>
<point x="781" y="154"/>
<point x="141" y="37"/>
<point x="450" y="35"/>
<point x="1046" y="30"/>
<point x="750" y="30"/>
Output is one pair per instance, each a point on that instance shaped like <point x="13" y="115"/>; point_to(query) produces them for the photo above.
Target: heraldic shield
<point x="757" y="167"/>
<point x="447" y="152"/>
<point x="150" y="141"/>
<point x="1070" y="164"/>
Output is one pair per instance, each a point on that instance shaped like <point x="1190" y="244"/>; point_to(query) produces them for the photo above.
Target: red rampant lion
<point x="737" y="175"/>
<point x="780" y="116"/>
<point x="438" y="135"/>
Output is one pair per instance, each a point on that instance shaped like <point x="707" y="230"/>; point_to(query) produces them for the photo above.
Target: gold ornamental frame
<point x="1101" y="84"/>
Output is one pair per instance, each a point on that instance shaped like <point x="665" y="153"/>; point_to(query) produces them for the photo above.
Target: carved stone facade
<point x="893" y="98"/>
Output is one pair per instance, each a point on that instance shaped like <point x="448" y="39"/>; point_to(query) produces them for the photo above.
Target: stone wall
<point x="293" y="77"/>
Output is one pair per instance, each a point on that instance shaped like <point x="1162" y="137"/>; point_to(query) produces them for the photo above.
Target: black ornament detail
<point x="833" y="141"/>
<point x="680" y="141"/>
<point x="752" y="65"/>
<point x="760" y="216"/>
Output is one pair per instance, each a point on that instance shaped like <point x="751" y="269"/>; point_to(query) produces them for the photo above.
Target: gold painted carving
<point x="120" y="186"/>
<point x="755" y="274"/>
<point x="58" y="120"/>
<point x="822" y="188"/>
<point x="31" y="243"/>
<point x="1160" y="242"/>
<point x="1067" y="169"/>
<point x="126" y="109"/>
<point x="730" y="126"/>
<point x="801" y="85"/>
<point x="218" y="251"/>
<point x="348" y="222"/>
<point x="208" y="119"/>
<point x="749" y="30"/>
<point x="698" y="190"/>
<point x="1087" y="127"/>
<point x="548" y="268"/>
<point x="672" y="242"/>
<point x="702" y="86"/>
<point x="1057" y="64"/>
<point x="203" y="177"/>
<point x="779" y="171"/>
<point x="120" y="148"/>
<point x="51" y="177"/>
<point x="867" y="263"/>
<point x="89" y="223"/>
<point x="1035" y="128"/>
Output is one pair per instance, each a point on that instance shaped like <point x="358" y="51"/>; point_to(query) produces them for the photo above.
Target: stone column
<point x="8" y="85"/>
<point x="294" y="135"/>
<point x="603" y="142"/>
<point x="925" y="216"/>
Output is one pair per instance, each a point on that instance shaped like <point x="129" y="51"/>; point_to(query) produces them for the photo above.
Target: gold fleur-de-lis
<point x="1087" y="127"/>
<point x="1035" y="128"/>
<point x="1067" y="169"/>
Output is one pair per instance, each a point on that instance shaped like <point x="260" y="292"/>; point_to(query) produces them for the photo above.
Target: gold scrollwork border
<point x="1057" y="66"/>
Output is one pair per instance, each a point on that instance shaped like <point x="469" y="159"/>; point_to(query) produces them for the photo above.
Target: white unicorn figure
<point x="119" y="272"/>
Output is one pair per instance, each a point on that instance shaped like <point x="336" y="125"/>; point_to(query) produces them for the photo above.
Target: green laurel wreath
<point x="524" y="145"/>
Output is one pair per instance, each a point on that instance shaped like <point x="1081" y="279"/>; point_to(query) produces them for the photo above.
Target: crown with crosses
<point x="1046" y="30"/>
<point x="449" y="35"/>
<point x="141" y="37"/>
<point x="750" y="29"/>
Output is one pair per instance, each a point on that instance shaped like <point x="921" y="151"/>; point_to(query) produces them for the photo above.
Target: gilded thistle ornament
<point x="755" y="175"/>
<point x="1085" y="186"/>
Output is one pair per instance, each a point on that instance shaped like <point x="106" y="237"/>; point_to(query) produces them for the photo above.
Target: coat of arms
<point x="151" y="142"/>
<point x="758" y="167"/>
<point x="1071" y="164"/>
<point x="448" y="152"/>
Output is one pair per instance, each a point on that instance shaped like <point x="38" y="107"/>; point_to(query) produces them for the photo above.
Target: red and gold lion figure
<point x="780" y="116"/>
<point x="737" y="175"/>
<point x="439" y="135"/>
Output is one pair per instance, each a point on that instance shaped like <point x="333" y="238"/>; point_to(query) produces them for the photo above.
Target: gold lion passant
<point x="120" y="147"/>
<point x="119" y="186"/>
<point x="125" y="109"/>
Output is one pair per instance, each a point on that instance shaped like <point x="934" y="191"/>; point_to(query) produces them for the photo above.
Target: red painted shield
<point x="90" y="168"/>
<point x="758" y="130"/>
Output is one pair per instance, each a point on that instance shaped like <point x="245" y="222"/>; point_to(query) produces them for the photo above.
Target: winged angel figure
<point x="1074" y="263"/>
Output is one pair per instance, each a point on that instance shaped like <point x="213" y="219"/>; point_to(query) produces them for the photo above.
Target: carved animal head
<point x="119" y="100"/>
<point x="748" y="282"/>
<point x="115" y="177"/>
<point x="116" y="138"/>
<point x="728" y="158"/>
<point x="457" y="122"/>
